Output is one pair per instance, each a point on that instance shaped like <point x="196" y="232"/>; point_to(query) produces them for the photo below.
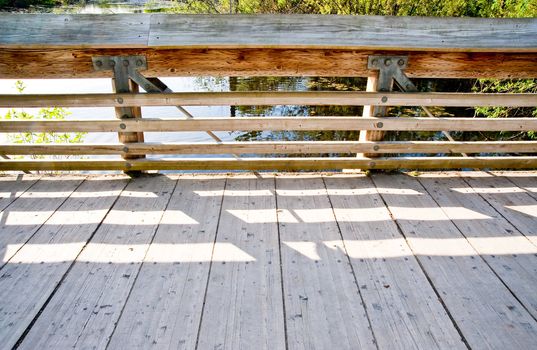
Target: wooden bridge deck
<point x="331" y="261"/>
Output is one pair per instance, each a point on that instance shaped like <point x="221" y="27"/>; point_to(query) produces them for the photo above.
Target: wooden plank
<point x="273" y="147"/>
<point x="487" y="314"/>
<point x="511" y="255"/>
<point x="350" y="32"/>
<point x="22" y="218"/>
<point x="271" y="123"/>
<point x="83" y="311"/>
<point x="268" y="31"/>
<point x="12" y="187"/>
<point x="32" y="274"/>
<point x="27" y="63"/>
<point x="80" y="31"/>
<point x="165" y="305"/>
<point x="404" y="310"/>
<point x="243" y="305"/>
<point x="513" y="203"/>
<point x="308" y="163"/>
<point x="323" y="304"/>
<point x="271" y="98"/>
<point x="524" y="180"/>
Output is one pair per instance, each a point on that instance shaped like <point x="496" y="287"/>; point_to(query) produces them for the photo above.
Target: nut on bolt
<point x="387" y="61"/>
<point x="401" y="62"/>
<point x="122" y="126"/>
<point x="119" y="100"/>
<point x="374" y="61"/>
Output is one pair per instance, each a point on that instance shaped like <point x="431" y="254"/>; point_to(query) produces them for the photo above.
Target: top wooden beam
<point x="159" y="31"/>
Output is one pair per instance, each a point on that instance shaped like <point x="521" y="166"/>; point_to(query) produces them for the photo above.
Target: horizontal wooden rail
<point x="274" y="163"/>
<point x="346" y="98"/>
<point x="28" y="63"/>
<point x="271" y="123"/>
<point x="269" y="147"/>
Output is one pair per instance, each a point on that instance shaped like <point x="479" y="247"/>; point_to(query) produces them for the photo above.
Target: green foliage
<point x="54" y="113"/>
<point x="507" y="86"/>
<point x="454" y="8"/>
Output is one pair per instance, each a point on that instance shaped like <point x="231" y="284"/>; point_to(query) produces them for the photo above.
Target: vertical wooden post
<point x="128" y="113"/>
<point x="375" y="84"/>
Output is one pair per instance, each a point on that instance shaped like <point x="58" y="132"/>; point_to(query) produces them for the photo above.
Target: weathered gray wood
<point x="243" y="306"/>
<point x="308" y="163"/>
<point x="83" y="311"/>
<point x="323" y="304"/>
<point x="268" y="31"/>
<point x="271" y="98"/>
<point x="164" y="308"/>
<point x="81" y="31"/>
<point x="511" y="255"/>
<point x="512" y="202"/>
<point x="487" y="314"/>
<point x="524" y="180"/>
<point x="12" y="187"/>
<point x="20" y="220"/>
<point x="404" y="311"/>
<point x="349" y="32"/>
<point x="32" y="274"/>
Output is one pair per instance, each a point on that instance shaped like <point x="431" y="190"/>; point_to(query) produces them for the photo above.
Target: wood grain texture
<point x="277" y="147"/>
<point x="12" y="188"/>
<point x="385" y="271"/>
<point x="76" y="63"/>
<point x="350" y="32"/>
<point x="243" y="305"/>
<point x="272" y="98"/>
<point x="83" y="311"/>
<point x="268" y="31"/>
<point x="323" y="304"/>
<point x="165" y="305"/>
<point x="487" y="314"/>
<point x="75" y="31"/>
<point x="272" y="123"/>
<point x="34" y="271"/>
<point x="32" y="209"/>
<point x="310" y="163"/>
<point x="515" y="204"/>
<point x="489" y="235"/>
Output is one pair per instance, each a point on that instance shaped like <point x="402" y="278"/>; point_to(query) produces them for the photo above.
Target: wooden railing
<point x="462" y="154"/>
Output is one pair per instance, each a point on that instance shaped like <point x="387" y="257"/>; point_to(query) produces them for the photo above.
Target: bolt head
<point x="401" y="62"/>
<point x="119" y="100"/>
<point x="384" y="99"/>
<point x="125" y="149"/>
<point x="139" y="63"/>
<point x="374" y="61"/>
<point x="122" y="126"/>
<point x="376" y="148"/>
<point x="99" y="63"/>
<point x="387" y="61"/>
<point x="380" y="125"/>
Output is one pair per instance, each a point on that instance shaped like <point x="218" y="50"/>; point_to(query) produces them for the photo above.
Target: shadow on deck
<point x="443" y="260"/>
